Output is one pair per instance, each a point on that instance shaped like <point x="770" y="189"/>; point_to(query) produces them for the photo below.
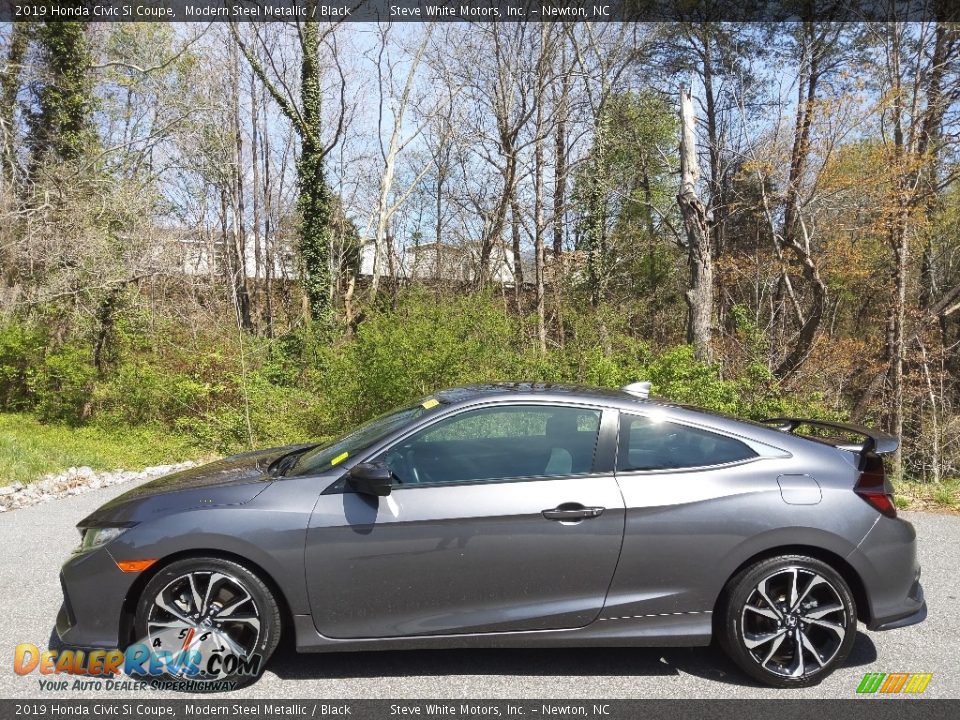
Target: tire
<point x="762" y="629"/>
<point x="211" y="607"/>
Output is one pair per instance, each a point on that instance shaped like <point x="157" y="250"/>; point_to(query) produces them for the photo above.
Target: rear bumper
<point x="886" y="561"/>
<point x="909" y="617"/>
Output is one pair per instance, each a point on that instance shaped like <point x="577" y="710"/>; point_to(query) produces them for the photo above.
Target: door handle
<point x="572" y="512"/>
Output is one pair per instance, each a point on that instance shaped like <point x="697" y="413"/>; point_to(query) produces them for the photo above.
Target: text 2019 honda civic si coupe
<point x="514" y="515"/>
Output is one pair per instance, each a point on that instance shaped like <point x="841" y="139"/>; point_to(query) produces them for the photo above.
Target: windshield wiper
<point x="282" y="465"/>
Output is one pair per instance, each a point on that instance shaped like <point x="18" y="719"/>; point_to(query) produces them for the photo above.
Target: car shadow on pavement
<point x="709" y="663"/>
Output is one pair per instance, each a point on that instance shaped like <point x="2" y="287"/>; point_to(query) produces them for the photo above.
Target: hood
<point x="231" y="481"/>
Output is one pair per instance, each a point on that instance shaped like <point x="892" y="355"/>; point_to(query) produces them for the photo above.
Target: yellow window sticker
<point x="339" y="458"/>
<point x="431" y="403"/>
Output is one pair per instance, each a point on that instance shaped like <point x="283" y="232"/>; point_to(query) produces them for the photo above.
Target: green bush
<point x="22" y="348"/>
<point x="146" y="392"/>
<point x="190" y="382"/>
<point x="401" y="354"/>
<point x="64" y="384"/>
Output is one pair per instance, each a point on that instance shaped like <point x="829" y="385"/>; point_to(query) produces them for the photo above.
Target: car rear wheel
<point x="208" y="620"/>
<point x="788" y="621"/>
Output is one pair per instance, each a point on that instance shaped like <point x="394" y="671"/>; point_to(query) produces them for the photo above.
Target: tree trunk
<point x="560" y="148"/>
<point x="314" y="205"/>
<point x="897" y="348"/>
<point x="559" y="194"/>
<point x="699" y="295"/>
<point x="792" y="222"/>
<point x="10" y="81"/>
<point x="106" y="317"/>
<point x="716" y="204"/>
<point x="313" y="201"/>
<point x="515" y="242"/>
<point x="595" y="225"/>
<point x="899" y="246"/>
<point x="268" y="254"/>
<point x="538" y="224"/>
<point x="442" y="170"/>
<point x="61" y="126"/>
<point x="495" y="233"/>
<point x="255" y="194"/>
<point x="241" y="290"/>
<point x="381" y="248"/>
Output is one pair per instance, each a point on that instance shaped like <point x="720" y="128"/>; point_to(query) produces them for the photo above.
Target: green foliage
<point x="947" y="494"/>
<point x="301" y="386"/>
<point x="641" y="156"/>
<point x="315" y="206"/>
<point x="402" y="354"/>
<point x="22" y="347"/>
<point x="30" y="449"/>
<point x="902" y="502"/>
<point x="624" y="190"/>
<point x="753" y="339"/>
<point x="918" y="495"/>
<point x="61" y="127"/>
<point x="63" y="384"/>
<point x="144" y="393"/>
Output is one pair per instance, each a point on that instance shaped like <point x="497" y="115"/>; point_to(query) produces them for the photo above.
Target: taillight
<point x="872" y="486"/>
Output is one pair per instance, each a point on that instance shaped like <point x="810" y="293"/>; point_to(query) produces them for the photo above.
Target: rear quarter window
<point x="651" y="444"/>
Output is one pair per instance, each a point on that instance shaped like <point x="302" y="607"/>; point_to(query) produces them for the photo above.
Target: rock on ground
<point x="74" y="481"/>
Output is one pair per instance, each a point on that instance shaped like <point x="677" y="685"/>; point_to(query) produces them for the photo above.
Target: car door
<point x="501" y="518"/>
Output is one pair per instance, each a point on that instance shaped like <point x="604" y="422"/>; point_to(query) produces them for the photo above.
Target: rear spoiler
<point x="875" y="442"/>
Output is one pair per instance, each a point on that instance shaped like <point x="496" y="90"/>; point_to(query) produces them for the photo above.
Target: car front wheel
<point x="788" y="621"/>
<point x="208" y="620"/>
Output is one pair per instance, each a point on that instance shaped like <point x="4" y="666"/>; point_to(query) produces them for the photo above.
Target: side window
<point x="647" y="444"/>
<point x="499" y="442"/>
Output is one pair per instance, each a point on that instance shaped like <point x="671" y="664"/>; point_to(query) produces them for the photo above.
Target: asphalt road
<point x="35" y="541"/>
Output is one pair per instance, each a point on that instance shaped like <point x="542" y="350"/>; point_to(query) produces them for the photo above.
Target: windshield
<point x="325" y="457"/>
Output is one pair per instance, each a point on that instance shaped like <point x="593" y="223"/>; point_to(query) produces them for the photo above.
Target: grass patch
<point x="30" y="449"/>
<point x="944" y="495"/>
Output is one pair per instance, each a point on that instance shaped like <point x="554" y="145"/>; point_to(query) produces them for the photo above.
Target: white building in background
<point x="198" y="254"/>
<point x="205" y="255"/>
<point x="443" y="262"/>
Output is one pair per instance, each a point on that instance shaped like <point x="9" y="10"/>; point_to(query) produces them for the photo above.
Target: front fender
<point x="272" y="539"/>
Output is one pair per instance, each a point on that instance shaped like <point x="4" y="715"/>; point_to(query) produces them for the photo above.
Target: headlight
<point x="95" y="537"/>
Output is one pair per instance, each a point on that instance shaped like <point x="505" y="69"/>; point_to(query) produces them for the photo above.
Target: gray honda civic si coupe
<point x="512" y="515"/>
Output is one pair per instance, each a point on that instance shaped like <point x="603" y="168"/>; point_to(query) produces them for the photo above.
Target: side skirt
<point x="688" y="629"/>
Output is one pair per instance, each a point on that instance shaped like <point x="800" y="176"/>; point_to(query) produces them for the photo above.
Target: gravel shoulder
<point x="76" y="481"/>
<point x="36" y="539"/>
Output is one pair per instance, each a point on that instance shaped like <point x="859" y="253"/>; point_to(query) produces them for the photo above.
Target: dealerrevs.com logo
<point x="185" y="670"/>
<point x="894" y="683"/>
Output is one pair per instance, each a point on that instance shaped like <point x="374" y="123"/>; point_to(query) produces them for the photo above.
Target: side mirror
<point x="371" y="479"/>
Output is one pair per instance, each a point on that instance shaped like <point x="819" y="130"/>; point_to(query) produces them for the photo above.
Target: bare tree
<point x="918" y="100"/>
<point x="398" y="140"/>
<point x="699" y="295"/>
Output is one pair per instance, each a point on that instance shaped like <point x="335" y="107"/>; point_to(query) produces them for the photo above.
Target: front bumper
<point x="94" y="590"/>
